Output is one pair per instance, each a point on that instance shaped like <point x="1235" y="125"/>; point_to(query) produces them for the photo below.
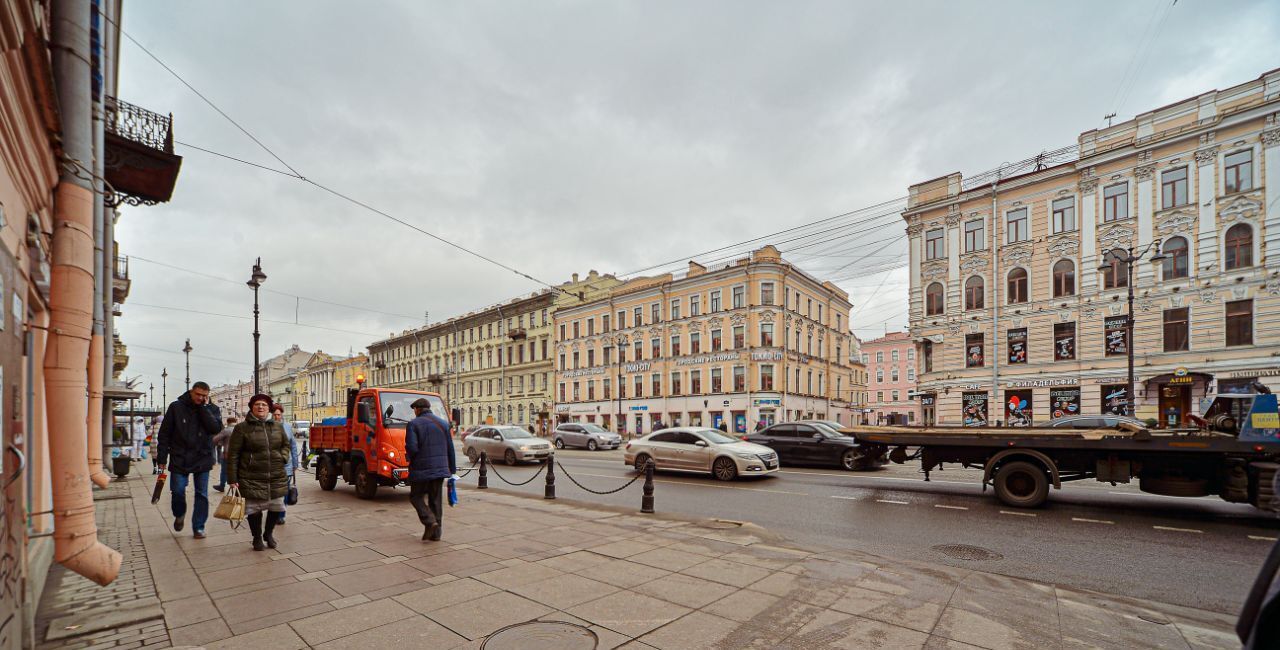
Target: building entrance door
<point x="1175" y="404"/>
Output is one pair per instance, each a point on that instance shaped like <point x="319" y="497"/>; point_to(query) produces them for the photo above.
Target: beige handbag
<point x="231" y="507"/>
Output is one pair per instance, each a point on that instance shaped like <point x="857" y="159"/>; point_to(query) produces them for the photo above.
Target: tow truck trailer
<point x="1233" y="453"/>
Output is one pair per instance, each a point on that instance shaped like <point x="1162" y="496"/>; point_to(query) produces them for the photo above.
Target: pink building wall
<point x="883" y="356"/>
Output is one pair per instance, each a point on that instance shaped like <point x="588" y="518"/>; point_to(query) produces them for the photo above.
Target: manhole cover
<point x="721" y="524"/>
<point x="966" y="552"/>
<point x="550" y="635"/>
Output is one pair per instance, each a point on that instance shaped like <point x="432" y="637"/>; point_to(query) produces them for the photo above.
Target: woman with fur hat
<point x="256" y="457"/>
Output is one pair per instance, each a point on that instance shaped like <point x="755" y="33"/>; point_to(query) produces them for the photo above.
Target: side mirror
<point x="700" y="443"/>
<point x="364" y="413"/>
<point x="818" y="436"/>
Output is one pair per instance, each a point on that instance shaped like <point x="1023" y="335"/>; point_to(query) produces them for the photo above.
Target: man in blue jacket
<point x="431" y="460"/>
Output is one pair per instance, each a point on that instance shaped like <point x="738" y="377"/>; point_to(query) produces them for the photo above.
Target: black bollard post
<point x="550" y="492"/>
<point x="483" y="483"/>
<point x="646" y="501"/>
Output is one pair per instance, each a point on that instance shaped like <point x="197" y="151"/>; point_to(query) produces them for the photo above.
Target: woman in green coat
<point x="256" y="457"/>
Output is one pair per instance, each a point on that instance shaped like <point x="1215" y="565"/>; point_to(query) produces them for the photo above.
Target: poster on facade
<point x="1064" y="401"/>
<point x="1115" y="399"/>
<point x="1117" y="335"/>
<point x="1064" y="346"/>
<point x="1018" y="345"/>
<point x="975" y="409"/>
<point x="973" y="351"/>
<point x="1017" y="408"/>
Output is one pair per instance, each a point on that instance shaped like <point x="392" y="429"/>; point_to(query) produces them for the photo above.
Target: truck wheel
<point x="325" y="474"/>
<point x="366" y="484"/>
<point x="1021" y="484"/>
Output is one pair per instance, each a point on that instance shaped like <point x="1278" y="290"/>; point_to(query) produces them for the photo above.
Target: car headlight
<point x="746" y="456"/>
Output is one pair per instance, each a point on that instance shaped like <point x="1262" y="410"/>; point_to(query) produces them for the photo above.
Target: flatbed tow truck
<point x="1233" y="453"/>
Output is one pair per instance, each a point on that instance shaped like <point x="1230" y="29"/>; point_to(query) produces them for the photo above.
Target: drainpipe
<point x="75" y="536"/>
<point x="94" y="417"/>
<point x="502" y="369"/>
<point x="995" y="302"/>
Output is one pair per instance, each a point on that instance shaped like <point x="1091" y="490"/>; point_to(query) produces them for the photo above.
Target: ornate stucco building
<point x="1019" y="279"/>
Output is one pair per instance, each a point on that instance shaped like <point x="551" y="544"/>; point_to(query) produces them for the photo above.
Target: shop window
<point x="1064" y="341"/>
<point x="973" y="351"/>
<point x="1018" y="408"/>
<point x="1115" y="399"/>
<point x="974" y="409"/>
<point x="1064" y="401"/>
<point x="1017" y="346"/>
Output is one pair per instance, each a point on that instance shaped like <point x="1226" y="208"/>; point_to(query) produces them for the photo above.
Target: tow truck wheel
<point x="325" y="475"/>
<point x="366" y="485"/>
<point x="1021" y="484"/>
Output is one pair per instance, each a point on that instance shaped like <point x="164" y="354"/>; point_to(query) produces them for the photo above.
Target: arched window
<point x="1114" y="272"/>
<point x="1176" y="261"/>
<point x="1064" y="278"/>
<point x="1239" y="246"/>
<point x="933" y="299"/>
<point x="973" y="294"/>
<point x="1017" y="286"/>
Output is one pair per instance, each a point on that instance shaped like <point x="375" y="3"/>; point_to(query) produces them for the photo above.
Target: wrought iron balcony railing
<point x="139" y="162"/>
<point x="137" y="124"/>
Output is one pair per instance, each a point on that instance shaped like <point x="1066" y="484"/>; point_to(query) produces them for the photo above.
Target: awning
<point x="121" y="394"/>
<point x="1180" y="379"/>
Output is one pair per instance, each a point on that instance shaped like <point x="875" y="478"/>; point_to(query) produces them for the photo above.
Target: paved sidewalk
<point x="353" y="573"/>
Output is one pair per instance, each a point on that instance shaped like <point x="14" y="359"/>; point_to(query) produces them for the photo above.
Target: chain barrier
<point x="526" y="482"/>
<point x="575" y="482"/>
<point x="468" y="470"/>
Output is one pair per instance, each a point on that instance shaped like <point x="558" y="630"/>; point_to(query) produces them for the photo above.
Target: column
<point x="955" y="283"/>
<point x="1206" y="253"/>
<point x="1087" y="269"/>
<point x="1146" y="217"/>
<point x="1271" y="156"/>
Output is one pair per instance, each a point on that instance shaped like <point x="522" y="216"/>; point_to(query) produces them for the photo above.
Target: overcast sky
<point x="560" y="137"/>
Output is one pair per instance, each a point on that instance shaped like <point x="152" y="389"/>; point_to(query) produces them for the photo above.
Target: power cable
<point x="241" y="317"/>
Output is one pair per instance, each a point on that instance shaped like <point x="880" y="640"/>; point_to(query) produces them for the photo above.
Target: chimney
<point x="575" y="277"/>
<point x="696" y="269"/>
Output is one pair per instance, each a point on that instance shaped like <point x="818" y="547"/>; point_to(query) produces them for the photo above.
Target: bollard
<point x="483" y="483"/>
<point x="646" y="501"/>
<point x="550" y="492"/>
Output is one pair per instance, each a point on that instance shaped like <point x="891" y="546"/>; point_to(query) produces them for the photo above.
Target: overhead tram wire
<point x="240" y="317"/>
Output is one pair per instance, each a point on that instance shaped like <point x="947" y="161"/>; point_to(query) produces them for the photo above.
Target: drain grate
<point x="967" y="552"/>
<point x="540" y="635"/>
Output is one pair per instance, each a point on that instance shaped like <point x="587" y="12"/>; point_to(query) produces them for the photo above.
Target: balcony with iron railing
<point x="139" y="162"/>
<point x="517" y="333"/>
<point x="120" y="282"/>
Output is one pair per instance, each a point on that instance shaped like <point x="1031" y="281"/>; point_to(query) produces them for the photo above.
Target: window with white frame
<point x="1017" y="227"/>
<point x="974" y="236"/>
<point x="934" y="246"/>
<point x="1064" y="214"/>
<point x="1237" y="171"/>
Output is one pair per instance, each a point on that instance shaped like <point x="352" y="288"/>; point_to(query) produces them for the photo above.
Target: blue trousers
<point x="178" y="497"/>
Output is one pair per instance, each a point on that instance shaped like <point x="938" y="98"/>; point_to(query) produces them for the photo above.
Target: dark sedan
<point x="813" y="443"/>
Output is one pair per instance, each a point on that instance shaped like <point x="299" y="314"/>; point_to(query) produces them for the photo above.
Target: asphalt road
<point x="1194" y="552"/>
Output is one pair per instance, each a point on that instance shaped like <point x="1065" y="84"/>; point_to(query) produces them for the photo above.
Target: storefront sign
<point x="1064" y="401"/>
<point x="639" y="366"/>
<point x="707" y="358"/>
<point x="928" y="399"/>
<point x="638" y="408"/>
<point x="583" y="372"/>
<point x="1117" y="335"/>
<point x="1041" y="383"/>
<point x="1249" y="374"/>
<point x="562" y="408"/>
<point x="1181" y="377"/>
<point x="975" y="409"/>
<point x="767" y="402"/>
<point x="1108" y="380"/>
<point x="767" y="355"/>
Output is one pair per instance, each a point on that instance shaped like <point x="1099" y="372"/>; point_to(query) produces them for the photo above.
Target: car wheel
<point x="849" y="460"/>
<point x="559" y="443"/>
<point x="724" y="469"/>
<point x="366" y="484"/>
<point x="1021" y="484"/>
<point x="473" y="455"/>
<point x="591" y="444"/>
<point x="641" y="461"/>
<point x="509" y="457"/>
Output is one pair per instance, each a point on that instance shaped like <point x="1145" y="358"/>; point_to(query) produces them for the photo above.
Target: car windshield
<point x="509" y="433"/>
<point x="396" y="412"/>
<point x="826" y="429"/>
<point x="715" y="437"/>
<point x="594" y="428"/>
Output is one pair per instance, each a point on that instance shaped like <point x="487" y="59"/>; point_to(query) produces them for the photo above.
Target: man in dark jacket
<point x="185" y="448"/>
<point x="431" y="460"/>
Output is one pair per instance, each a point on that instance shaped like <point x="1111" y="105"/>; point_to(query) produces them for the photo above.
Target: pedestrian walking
<point x="139" y="435"/>
<point x="724" y="428"/>
<point x="185" y="449"/>
<point x="431" y="461"/>
<point x="257" y="454"/>
<point x="220" y="450"/>
<point x="277" y="414"/>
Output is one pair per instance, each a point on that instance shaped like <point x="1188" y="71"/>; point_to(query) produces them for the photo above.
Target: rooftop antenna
<point x="426" y="317"/>
<point x="1108" y="117"/>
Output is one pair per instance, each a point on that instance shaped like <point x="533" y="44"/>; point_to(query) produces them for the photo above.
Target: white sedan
<point x="697" y="449"/>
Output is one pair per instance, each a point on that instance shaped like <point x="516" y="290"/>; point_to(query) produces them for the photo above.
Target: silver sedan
<point x="696" y="449"/>
<point x="591" y="436"/>
<point x="511" y="444"/>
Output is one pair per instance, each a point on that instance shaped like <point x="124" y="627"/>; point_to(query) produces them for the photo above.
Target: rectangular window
<point x="893" y="355"/>
<point x="655" y="348"/>
<point x="591" y="390"/>
<point x="973" y="351"/>
<point x="562" y="336"/>
<point x="1017" y="342"/>
<point x="1114" y="399"/>
<point x="739" y="297"/>
<point x="604" y="322"/>
<point x="934" y="248"/>
<point x="1064" y="401"/>
<point x="638" y="349"/>
<point x="608" y="393"/>
<point x="675" y="308"/>
<point x="1116" y="333"/>
<point x="974" y="409"/>
<point x="1064" y="341"/>
<point x="695" y="343"/>
<point x="695" y="382"/>
<point x="1064" y="214"/>
<point x="622" y="388"/>
<point x="1177" y="333"/>
<point x="1173" y="188"/>
<point x="1238" y="171"/>
<point x="675" y="345"/>
<point x="675" y="383"/>
<point x="591" y="326"/>
<point x="880" y="356"/>
<point x="655" y="312"/>
<point x="1017" y="408"/>
<point x="637" y="317"/>
<point x="739" y="337"/>
<point x="894" y="395"/>
<point x="739" y="379"/>
<point x="577" y="395"/>
<point x="655" y="381"/>
<point x="695" y="305"/>
<point x="766" y="334"/>
<point x="576" y="329"/>
<point x="715" y="301"/>
<point x="717" y="340"/>
<point x="622" y="354"/>
<point x="717" y="381"/>
<point x="766" y="293"/>
<point x="591" y="358"/>
<point x="639" y="386"/>
<point x="608" y="355"/>
<point x="926" y="353"/>
<point x="1016" y="228"/>
<point x="911" y="374"/>
<point x="1240" y="322"/>
<point x="622" y="318"/>
<point x="974" y="239"/>
<point x="562" y="394"/>
<point x="766" y="377"/>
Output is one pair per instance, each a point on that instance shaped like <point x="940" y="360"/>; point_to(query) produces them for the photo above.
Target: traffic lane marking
<point x="939" y="505"/>
<point x="1095" y="521"/>
<point x="837" y="496"/>
<point x="901" y="503"/>
<point x="1178" y="530"/>
<point x="1019" y="514"/>
<point x="1262" y="538"/>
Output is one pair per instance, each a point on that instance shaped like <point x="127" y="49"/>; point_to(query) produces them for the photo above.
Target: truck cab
<point x="367" y="449"/>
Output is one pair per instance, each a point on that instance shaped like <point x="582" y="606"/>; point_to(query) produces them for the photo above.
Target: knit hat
<point x="260" y="397"/>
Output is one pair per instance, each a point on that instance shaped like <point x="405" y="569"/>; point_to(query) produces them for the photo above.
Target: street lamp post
<point x="186" y="349"/>
<point x="151" y="395"/>
<point x="1128" y="260"/>
<point x="255" y="281"/>
<point x="164" y="387"/>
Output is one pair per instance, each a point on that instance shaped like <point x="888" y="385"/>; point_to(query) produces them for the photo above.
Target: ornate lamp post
<point x="186" y="349"/>
<point x="255" y="281"/>
<point x="1128" y="259"/>
<point x="164" y="387"/>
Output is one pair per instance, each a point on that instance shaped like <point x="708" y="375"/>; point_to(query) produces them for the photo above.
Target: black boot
<point x="255" y="527"/>
<point x="272" y="518"/>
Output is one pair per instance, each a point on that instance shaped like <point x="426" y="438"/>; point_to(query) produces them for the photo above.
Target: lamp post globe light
<point x="256" y="278"/>
<point x="1128" y="258"/>
<point x="186" y="349"/>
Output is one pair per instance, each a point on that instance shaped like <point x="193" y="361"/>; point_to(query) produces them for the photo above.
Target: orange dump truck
<point x="366" y="448"/>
